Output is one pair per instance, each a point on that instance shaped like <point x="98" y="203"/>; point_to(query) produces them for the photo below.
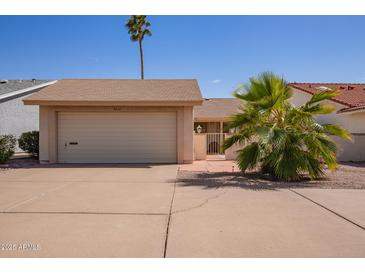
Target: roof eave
<point x="203" y="119"/>
<point x="350" y="111"/>
<point x="111" y="103"/>
<point x="25" y="90"/>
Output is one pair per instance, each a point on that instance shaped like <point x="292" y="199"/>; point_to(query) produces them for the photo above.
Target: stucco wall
<point x="200" y="146"/>
<point x="351" y="151"/>
<point x="353" y="122"/>
<point x="16" y="118"/>
<point x="48" y="129"/>
<point x="232" y="152"/>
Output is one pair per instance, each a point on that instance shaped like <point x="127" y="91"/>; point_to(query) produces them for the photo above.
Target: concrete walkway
<point x="210" y="166"/>
<point x="142" y="211"/>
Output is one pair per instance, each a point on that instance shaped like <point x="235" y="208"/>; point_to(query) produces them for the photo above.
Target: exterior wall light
<point x="199" y="129"/>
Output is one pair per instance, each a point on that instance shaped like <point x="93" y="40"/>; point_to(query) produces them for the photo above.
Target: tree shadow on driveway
<point x="249" y="181"/>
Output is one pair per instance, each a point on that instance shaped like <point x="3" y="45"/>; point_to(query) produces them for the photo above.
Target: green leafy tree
<point x="7" y="147"/>
<point x="29" y="142"/>
<point x="137" y="27"/>
<point x="283" y="140"/>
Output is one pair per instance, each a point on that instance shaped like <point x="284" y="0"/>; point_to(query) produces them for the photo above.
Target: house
<point x="14" y="117"/>
<point x="350" y="114"/>
<point x="117" y="121"/>
<point x="162" y="121"/>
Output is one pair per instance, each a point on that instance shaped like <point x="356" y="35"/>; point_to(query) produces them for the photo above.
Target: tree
<point x="137" y="27"/>
<point x="283" y="140"/>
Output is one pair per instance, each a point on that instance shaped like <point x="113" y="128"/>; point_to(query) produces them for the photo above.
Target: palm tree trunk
<point x="141" y="55"/>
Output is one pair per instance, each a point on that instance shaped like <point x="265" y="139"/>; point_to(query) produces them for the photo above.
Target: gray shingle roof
<point x="15" y="85"/>
<point x="78" y="91"/>
<point x="217" y="108"/>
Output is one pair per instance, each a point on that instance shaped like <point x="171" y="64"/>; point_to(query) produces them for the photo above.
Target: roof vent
<point x="3" y="81"/>
<point x="350" y="87"/>
<point x="33" y="81"/>
<point x="323" y="88"/>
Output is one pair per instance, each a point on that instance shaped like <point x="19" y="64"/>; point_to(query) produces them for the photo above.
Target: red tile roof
<point x="350" y="95"/>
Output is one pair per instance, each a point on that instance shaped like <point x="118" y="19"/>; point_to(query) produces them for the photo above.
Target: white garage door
<point x="129" y="137"/>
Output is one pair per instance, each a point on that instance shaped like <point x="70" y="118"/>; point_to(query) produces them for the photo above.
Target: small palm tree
<point x="137" y="27"/>
<point x="282" y="140"/>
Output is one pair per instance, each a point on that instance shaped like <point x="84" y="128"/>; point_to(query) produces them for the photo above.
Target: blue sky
<point x="220" y="51"/>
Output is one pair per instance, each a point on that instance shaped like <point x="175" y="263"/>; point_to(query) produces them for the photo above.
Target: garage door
<point x="127" y="137"/>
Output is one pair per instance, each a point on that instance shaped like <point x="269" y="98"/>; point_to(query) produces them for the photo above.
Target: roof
<point x="7" y="86"/>
<point x="351" y="96"/>
<point x="115" y="91"/>
<point x="217" y="108"/>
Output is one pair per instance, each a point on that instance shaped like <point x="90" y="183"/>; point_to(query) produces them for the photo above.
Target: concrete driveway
<point x="141" y="211"/>
<point x="87" y="211"/>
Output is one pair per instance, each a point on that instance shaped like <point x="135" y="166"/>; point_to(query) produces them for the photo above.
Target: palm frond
<point x="238" y="138"/>
<point x="337" y="130"/>
<point x="250" y="156"/>
<point x="316" y="109"/>
<point x="321" y="96"/>
<point x="137" y="27"/>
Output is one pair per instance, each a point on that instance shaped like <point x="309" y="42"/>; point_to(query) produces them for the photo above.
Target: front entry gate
<point x="215" y="143"/>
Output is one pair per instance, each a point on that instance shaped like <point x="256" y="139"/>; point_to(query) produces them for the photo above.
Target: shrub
<point x="29" y="142"/>
<point x="7" y="147"/>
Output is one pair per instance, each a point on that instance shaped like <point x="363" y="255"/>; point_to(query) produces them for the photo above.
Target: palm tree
<point x="283" y="140"/>
<point x="137" y="27"/>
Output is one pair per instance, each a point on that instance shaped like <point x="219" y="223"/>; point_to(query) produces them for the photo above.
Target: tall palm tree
<point x="137" y="27"/>
<point x="283" y="140"/>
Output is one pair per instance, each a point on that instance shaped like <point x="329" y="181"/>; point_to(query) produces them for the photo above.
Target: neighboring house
<point x="350" y="114"/>
<point x="117" y="121"/>
<point x="15" y="118"/>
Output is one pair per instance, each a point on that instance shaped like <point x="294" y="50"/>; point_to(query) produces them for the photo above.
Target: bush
<point x="7" y="147"/>
<point x="29" y="142"/>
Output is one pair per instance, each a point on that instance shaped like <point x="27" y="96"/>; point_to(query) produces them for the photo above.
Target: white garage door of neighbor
<point x="124" y="137"/>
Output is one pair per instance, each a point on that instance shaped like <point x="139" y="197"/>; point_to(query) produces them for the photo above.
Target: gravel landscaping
<point x="348" y="176"/>
<point x="20" y="163"/>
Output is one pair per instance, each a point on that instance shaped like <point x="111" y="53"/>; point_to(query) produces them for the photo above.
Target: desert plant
<point x="137" y="27"/>
<point x="283" y="140"/>
<point x="29" y="142"/>
<point x="7" y="147"/>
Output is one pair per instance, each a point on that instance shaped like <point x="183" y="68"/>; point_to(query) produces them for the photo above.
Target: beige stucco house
<point x="117" y="121"/>
<point x="162" y="121"/>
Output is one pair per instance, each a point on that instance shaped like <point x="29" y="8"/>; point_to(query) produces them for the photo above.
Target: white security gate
<point x="215" y="143"/>
<point x="123" y="137"/>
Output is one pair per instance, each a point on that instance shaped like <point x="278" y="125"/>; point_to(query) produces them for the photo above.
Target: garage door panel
<point x="117" y="137"/>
